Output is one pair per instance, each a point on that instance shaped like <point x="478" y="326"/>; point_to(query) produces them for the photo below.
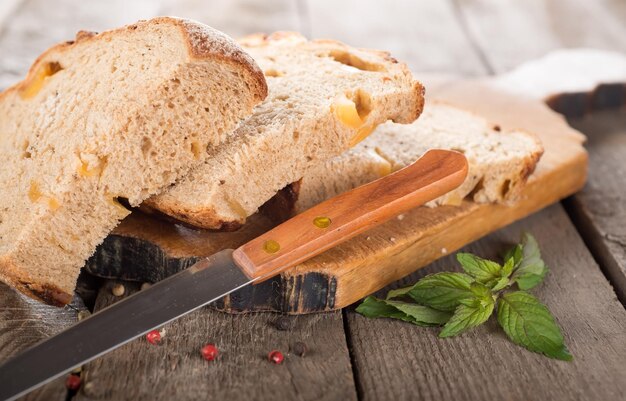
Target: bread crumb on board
<point x="118" y="290"/>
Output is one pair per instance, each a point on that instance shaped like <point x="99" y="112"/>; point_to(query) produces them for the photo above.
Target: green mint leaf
<point x="400" y="292"/>
<point x="374" y="307"/>
<point x="422" y="315"/>
<point x="468" y="316"/>
<point x="508" y="267"/>
<point x="480" y="290"/>
<point x="417" y="314"/>
<point x="500" y="284"/>
<point x="481" y="269"/>
<point x="482" y="295"/>
<point x="514" y="254"/>
<point x="530" y="324"/>
<point x="531" y="269"/>
<point x="442" y="291"/>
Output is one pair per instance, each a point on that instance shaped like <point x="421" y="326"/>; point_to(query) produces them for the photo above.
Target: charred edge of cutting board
<point x="579" y="104"/>
<point x="133" y="259"/>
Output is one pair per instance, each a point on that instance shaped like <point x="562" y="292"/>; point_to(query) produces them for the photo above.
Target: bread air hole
<point x="479" y="186"/>
<point x="505" y="188"/>
<point x="119" y="202"/>
<point x="32" y="87"/>
<point x="349" y="59"/>
<point x="363" y="103"/>
<point x="25" y="153"/>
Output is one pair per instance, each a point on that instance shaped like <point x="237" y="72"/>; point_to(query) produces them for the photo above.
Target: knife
<point x="292" y="242"/>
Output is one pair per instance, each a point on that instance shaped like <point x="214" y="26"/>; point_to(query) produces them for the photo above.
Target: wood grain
<point x="411" y="364"/>
<point x="510" y="32"/>
<point x="7" y="10"/>
<point x="39" y="24"/>
<point x="599" y="210"/>
<point x="573" y="82"/>
<point x="23" y="323"/>
<point x="425" y="34"/>
<point x="370" y="261"/>
<point x="238" y="18"/>
<point x="175" y="370"/>
<point x="341" y="218"/>
<point x="398" y="361"/>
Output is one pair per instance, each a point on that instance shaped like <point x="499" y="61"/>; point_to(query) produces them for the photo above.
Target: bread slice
<point x="109" y="117"/>
<point x="500" y="160"/>
<point x="324" y="98"/>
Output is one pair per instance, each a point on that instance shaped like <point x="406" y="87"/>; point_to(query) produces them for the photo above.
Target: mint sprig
<point x="409" y="312"/>
<point x="462" y="301"/>
<point x="529" y="323"/>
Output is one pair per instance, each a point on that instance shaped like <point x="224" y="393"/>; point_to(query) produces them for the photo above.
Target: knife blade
<point x="292" y="242"/>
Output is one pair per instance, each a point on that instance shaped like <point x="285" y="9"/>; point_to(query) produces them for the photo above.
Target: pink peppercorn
<point x="72" y="382"/>
<point x="209" y="352"/>
<point x="154" y="337"/>
<point x="276" y="357"/>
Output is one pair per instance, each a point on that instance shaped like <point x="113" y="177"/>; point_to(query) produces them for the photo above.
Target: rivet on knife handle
<point x="343" y="217"/>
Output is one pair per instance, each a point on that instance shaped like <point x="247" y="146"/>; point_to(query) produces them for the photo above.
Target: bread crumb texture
<point x="500" y="161"/>
<point x="324" y="97"/>
<point x="106" y="121"/>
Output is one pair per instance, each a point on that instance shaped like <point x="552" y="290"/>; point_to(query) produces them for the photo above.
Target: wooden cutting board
<point x="147" y="249"/>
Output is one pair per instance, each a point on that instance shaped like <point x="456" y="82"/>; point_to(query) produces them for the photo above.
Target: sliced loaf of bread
<point x="108" y="117"/>
<point x="324" y="98"/>
<point x="500" y="160"/>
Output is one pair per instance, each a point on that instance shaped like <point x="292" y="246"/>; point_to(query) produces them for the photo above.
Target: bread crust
<point x="262" y="39"/>
<point x="482" y="189"/>
<point x="202" y="43"/>
<point x="206" y="216"/>
<point x="46" y="292"/>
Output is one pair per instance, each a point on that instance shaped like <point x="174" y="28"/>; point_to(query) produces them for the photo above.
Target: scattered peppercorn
<point x="72" y="382"/>
<point x="282" y="323"/>
<point x="299" y="348"/>
<point x="276" y="357"/>
<point x="209" y="352"/>
<point x="118" y="290"/>
<point x="83" y="314"/>
<point x="154" y="337"/>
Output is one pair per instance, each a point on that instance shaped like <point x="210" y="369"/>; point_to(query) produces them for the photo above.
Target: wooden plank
<point x="39" y="24"/>
<point x="240" y="17"/>
<point x="368" y="262"/>
<point x="176" y="371"/>
<point x="599" y="210"/>
<point x="510" y="32"/>
<point x="7" y="9"/>
<point x="424" y="34"/>
<point x="398" y="361"/>
<point x="23" y="323"/>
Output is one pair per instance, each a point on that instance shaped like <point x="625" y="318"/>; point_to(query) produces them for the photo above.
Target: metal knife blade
<point x="206" y="281"/>
<point x="346" y="215"/>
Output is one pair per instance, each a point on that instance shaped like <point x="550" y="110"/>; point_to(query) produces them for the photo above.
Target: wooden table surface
<point x="583" y="238"/>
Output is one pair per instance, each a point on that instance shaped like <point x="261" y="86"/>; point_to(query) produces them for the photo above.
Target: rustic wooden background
<point x="350" y="357"/>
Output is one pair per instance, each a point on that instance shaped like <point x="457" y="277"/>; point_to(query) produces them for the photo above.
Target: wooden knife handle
<point x="344" y="216"/>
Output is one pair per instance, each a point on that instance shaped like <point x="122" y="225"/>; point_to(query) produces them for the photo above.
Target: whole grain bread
<point x="324" y="98"/>
<point x="500" y="160"/>
<point x="103" y="120"/>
